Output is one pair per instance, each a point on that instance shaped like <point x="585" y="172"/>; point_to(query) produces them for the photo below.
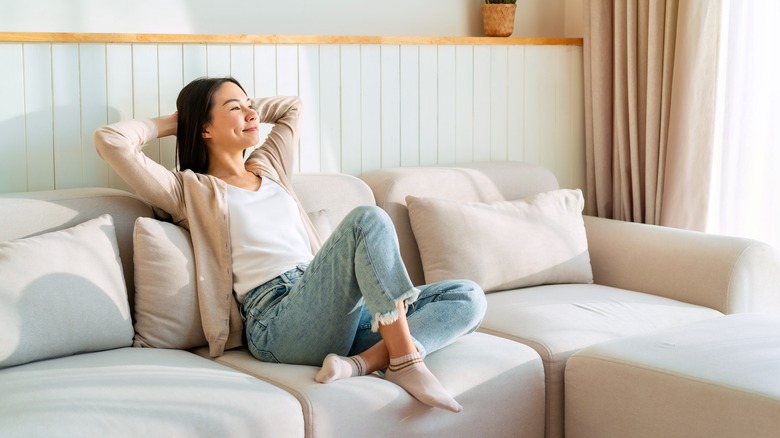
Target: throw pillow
<point x="506" y="244"/>
<point x="166" y="301"/>
<point x="62" y="293"/>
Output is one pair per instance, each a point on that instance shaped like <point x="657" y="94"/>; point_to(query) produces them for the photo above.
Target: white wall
<point x="535" y="18"/>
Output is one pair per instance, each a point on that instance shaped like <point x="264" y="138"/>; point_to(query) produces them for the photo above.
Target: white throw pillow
<point x="62" y="293"/>
<point x="506" y="244"/>
<point x="166" y="301"/>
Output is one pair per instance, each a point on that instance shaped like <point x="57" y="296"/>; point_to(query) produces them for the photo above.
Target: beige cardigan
<point x="198" y="202"/>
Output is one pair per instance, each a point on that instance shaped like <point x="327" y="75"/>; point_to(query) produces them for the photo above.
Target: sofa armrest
<point x="729" y="274"/>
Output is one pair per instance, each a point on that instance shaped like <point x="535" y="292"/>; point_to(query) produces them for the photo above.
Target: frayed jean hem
<point x="390" y="317"/>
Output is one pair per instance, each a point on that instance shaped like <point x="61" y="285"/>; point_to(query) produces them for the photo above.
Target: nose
<point x="251" y="114"/>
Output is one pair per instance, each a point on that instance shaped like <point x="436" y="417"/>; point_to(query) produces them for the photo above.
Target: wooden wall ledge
<point x="65" y="37"/>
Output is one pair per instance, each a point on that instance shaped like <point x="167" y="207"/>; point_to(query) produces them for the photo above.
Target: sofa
<point x="644" y="278"/>
<point x="97" y="281"/>
<point x="99" y="329"/>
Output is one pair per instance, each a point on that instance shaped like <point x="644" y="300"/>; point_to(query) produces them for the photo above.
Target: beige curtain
<point x="650" y="84"/>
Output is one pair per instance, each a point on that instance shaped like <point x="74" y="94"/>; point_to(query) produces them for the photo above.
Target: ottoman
<point x="714" y="378"/>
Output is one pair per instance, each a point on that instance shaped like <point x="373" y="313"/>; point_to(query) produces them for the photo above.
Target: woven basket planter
<point x="498" y="20"/>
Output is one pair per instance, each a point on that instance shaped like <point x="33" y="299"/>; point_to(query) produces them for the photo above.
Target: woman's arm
<point x="120" y="144"/>
<point x="280" y="145"/>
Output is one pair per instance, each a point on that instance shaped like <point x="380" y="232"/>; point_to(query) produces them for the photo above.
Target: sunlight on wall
<point x="535" y="18"/>
<point x="99" y="16"/>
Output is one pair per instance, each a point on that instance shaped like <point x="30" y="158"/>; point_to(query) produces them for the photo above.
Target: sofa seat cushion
<point x="500" y="384"/>
<point x="559" y="320"/>
<point x="135" y="392"/>
<point x="713" y="378"/>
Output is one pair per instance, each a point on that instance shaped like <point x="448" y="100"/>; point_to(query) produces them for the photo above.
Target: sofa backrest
<point x="474" y="182"/>
<point x="32" y="213"/>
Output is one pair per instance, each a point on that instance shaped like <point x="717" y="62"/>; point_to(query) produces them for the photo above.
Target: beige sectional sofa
<point x="68" y="366"/>
<point x="92" y="382"/>
<point x="644" y="278"/>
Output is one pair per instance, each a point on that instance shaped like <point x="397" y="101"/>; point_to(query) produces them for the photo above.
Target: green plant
<point x="494" y="2"/>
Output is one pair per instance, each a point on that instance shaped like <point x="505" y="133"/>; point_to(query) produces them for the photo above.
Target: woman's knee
<point x="476" y="296"/>
<point x="470" y="293"/>
<point x="368" y="212"/>
<point x="368" y="217"/>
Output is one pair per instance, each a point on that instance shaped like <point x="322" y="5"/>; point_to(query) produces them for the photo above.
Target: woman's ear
<point x="205" y="133"/>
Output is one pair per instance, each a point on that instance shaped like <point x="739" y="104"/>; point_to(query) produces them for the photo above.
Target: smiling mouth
<point x="252" y="129"/>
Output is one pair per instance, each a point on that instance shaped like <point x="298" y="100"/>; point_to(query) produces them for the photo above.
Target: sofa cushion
<point x="500" y="384"/>
<point x="558" y="320"/>
<point x="166" y="302"/>
<point x="142" y="392"/>
<point x="504" y="244"/>
<point x="716" y="378"/>
<point x="62" y="293"/>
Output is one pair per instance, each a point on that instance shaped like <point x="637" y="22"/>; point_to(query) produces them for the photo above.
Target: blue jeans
<point x="334" y="304"/>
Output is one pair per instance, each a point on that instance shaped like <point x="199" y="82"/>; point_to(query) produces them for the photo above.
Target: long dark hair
<point x="194" y="106"/>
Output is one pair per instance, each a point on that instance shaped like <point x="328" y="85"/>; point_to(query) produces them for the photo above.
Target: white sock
<point x="335" y="367"/>
<point x="410" y="373"/>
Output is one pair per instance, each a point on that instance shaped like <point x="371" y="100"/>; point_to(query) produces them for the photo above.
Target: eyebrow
<point x="235" y="100"/>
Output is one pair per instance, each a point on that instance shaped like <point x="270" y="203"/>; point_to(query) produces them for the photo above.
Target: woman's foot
<point x="336" y="367"/>
<point x="410" y="373"/>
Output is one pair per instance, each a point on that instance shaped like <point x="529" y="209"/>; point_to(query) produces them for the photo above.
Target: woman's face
<point x="234" y="123"/>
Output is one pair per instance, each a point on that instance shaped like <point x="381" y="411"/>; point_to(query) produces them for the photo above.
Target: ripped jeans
<point x="334" y="304"/>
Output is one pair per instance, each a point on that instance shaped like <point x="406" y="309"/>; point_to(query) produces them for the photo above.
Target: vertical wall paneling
<point x="287" y="70"/>
<point x="119" y="93"/>
<point x="365" y="106"/>
<point x="410" y="105"/>
<point x="309" y="90"/>
<point x="446" y="90"/>
<point x="563" y="134"/>
<point x="264" y="76"/>
<point x="429" y="105"/>
<point x="464" y="104"/>
<point x="218" y="60"/>
<point x="287" y="76"/>
<point x="576" y="86"/>
<point x="555" y="142"/>
<point x="370" y="107"/>
<point x="242" y="66"/>
<point x="539" y="105"/>
<point x="68" y="163"/>
<point x="92" y="68"/>
<point x="515" y="103"/>
<point x="391" y="105"/>
<point x="498" y="102"/>
<point x="351" y="159"/>
<point x="194" y="61"/>
<point x="330" y="107"/>
<point x="482" y="107"/>
<point x="170" y="59"/>
<point x="146" y="92"/>
<point x="38" y="121"/>
<point x="13" y="161"/>
<point x="265" y="70"/>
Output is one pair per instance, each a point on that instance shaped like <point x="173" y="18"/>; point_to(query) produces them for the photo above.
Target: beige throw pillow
<point x="62" y="293"/>
<point x="506" y="244"/>
<point x="166" y="302"/>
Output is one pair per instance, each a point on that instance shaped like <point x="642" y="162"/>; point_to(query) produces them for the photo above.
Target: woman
<point x="347" y="305"/>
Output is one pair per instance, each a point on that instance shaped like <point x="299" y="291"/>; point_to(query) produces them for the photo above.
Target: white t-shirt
<point x="266" y="234"/>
